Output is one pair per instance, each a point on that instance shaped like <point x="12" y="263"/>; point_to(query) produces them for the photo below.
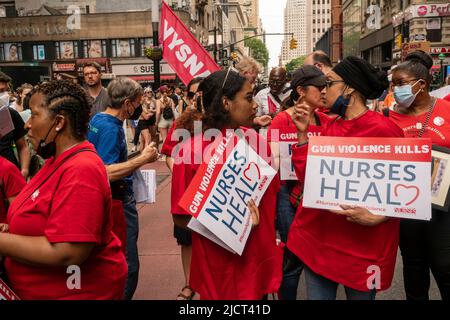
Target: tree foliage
<point x="258" y="50"/>
<point x="295" y="63"/>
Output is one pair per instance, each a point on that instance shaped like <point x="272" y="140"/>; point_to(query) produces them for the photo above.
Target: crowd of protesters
<point x="66" y="181"/>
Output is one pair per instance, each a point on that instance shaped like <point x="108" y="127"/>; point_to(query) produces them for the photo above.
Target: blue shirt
<point x="108" y="137"/>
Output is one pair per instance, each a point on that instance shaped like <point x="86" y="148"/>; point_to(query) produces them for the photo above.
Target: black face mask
<point x="340" y="106"/>
<point x="47" y="150"/>
<point x="136" y="114"/>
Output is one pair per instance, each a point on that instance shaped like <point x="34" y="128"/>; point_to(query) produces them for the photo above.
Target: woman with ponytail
<point x="425" y="245"/>
<point x="216" y="273"/>
<point x="341" y="246"/>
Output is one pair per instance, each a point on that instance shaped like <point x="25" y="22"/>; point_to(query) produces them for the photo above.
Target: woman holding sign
<point x="351" y="246"/>
<point x="307" y="86"/>
<point x="424" y="245"/>
<point x="216" y="273"/>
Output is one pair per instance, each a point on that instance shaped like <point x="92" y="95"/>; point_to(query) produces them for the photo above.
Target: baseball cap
<point x="308" y="75"/>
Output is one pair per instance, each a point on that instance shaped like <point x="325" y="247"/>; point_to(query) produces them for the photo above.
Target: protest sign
<point x="287" y="138"/>
<point x="218" y="195"/>
<point x="6" y="124"/>
<point x="182" y="51"/>
<point x="387" y="176"/>
<point x="144" y="186"/>
<point x="6" y="293"/>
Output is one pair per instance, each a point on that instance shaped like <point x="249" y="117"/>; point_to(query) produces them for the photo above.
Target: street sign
<point x="413" y="46"/>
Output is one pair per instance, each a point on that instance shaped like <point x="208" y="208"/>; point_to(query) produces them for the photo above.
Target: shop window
<point x="10" y="51"/>
<point x="94" y="48"/>
<point x="145" y="43"/>
<point x="123" y="48"/>
<point x="38" y="52"/>
<point x="67" y="50"/>
<point x="434" y="35"/>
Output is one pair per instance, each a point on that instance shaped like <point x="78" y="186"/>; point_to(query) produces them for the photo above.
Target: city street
<point x="161" y="276"/>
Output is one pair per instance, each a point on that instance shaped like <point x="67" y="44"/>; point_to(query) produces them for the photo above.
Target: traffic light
<point x="293" y="44"/>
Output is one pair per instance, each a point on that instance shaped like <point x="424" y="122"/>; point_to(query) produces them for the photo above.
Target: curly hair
<point x="65" y="97"/>
<point x="214" y="87"/>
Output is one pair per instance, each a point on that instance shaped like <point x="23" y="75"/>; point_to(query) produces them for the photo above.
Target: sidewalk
<point x="161" y="275"/>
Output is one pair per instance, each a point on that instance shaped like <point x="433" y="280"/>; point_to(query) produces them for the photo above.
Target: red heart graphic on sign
<point x="407" y="187"/>
<point x="248" y="169"/>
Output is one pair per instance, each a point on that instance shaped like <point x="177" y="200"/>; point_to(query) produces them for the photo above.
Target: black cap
<point x="308" y="76"/>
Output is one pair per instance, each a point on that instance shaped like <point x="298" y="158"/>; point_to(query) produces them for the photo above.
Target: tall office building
<point x="319" y="20"/>
<point x="295" y="21"/>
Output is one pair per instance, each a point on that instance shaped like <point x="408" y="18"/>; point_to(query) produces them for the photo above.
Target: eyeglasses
<point x="191" y="94"/>
<point x="91" y="73"/>
<point x="402" y="82"/>
<point x="330" y="82"/>
<point x="320" y="88"/>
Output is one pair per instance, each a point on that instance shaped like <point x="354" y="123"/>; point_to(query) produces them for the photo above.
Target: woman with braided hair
<point x="425" y="245"/>
<point x="60" y="243"/>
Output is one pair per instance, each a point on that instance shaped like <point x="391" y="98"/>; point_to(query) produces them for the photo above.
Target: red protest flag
<point x="181" y="49"/>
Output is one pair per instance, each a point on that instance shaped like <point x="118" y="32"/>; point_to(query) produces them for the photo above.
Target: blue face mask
<point x="340" y="106"/>
<point x="404" y="96"/>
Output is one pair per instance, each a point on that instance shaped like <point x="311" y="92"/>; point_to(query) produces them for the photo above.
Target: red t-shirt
<point x="438" y="128"/>
<point x="13" y="182"/>
<point x="216" y="273"/>
<point x="330" y="245"/>
<point x="72" y="205"/>
<point x="169" y="144"/>
<point x="284" y="124"/>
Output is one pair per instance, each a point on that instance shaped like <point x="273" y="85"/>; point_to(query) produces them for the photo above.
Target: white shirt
<point x="262" y="100"/>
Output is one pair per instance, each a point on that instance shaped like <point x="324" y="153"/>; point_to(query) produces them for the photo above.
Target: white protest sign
<point x="6" y="124"/>
<point x="387" y="176"/>
<point x="219" y="193"/>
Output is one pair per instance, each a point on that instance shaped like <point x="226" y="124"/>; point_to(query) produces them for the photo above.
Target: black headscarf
<point x="362" y="76"/>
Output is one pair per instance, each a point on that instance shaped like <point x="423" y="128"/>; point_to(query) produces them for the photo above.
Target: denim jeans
<point x="132" y="220"/>
<point x="425" y="246"/>
<point x="321" y="288"/>
<point x="292" y="266"/>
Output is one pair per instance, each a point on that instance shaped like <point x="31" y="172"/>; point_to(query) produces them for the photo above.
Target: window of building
<point x="314" y="30"/>
<point x="145" y="43"/>
<point x="314" y="11"/>
<point x="94" y="48"/>
<point x="38" y="52"/>
<point x="434" y="35"/>
<point x="67" y="50"/>
<point x="328" y="11"/>
<point x="314" y="20"/>
<point x="10" y="51"/>
<point x="123" y="48"/>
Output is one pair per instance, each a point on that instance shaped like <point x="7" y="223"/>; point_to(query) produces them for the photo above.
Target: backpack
<point x="168" y="113"/>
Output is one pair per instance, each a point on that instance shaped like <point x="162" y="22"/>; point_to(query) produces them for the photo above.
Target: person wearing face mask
<point x="338" y="246"/>
<point x="185" y="121"/>
<point x="425" y="245"/>
<point x="15" y="137"/>
<point x="308" y="84"/>
<point x="107" y="135"/>
<point x="216" y="273"/>
<point x="62" y="217"/>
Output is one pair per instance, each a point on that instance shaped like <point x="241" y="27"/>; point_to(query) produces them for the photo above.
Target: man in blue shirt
<point x="107" y="135"/>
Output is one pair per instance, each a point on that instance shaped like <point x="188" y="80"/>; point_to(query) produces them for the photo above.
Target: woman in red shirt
<point x="216" y="273"/>
<point x="425" y="245"/>
<point x="185" y="121"/>
<point x="341" y="246"/>
<point x="60" y="244"/>
<point x="11" y="183"/>
<point x="307" y="86"/>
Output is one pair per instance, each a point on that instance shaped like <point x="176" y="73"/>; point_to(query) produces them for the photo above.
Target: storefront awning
<point x="151" y="78"/>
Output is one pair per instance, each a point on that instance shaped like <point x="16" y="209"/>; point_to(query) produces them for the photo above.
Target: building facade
<point x="295" y="22"/>
<point x="319" y="20"/>
<point x="40" y="44"/>
<point x="352" y="19"/>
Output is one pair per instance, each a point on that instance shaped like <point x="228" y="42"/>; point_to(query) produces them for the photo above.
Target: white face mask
<point x="4" y="99"/>
<point x="404" y="96"/>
